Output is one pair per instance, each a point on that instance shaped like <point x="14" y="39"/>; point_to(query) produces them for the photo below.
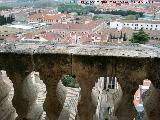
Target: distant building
<point x="136" y="25"/>
<point x="47" y="18"/>
<point x="86" y="28"/>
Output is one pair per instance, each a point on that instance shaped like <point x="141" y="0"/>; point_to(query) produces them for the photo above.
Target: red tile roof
<point x="50" y="36"/>
<point x="76" y="27"/>
<point x="46" y="16"/>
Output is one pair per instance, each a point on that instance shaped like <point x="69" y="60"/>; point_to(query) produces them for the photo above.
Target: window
<point x="111" y="83"/>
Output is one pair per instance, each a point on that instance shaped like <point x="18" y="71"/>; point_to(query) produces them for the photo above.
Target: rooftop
<point x="46" y="16"/>
<point x="76" y="27"/>
<point x="132" y="50"/>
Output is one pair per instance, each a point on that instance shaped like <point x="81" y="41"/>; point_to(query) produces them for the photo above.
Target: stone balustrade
<point x="129" y="71"/>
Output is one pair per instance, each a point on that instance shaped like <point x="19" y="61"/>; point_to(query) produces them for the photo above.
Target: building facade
<point x="136" y="25"/>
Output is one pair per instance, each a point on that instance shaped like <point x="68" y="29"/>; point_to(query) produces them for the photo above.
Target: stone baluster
<point x="130" y="74"/>
<point x="86" y="108"/>
<point x="7" y="112"/>
<point x="51" y="68"/>
<point x="151" y="105"/>
<point x="86" y="78"/>
<point x="152" y="102"/>
<point x="25" y="96"/>
<point x="125" y="109"/>
<point x="52" y="105"/>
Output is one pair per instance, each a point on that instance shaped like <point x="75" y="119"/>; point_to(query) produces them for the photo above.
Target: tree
<point x="140" y="37"/>
<point x="69" y="81"/>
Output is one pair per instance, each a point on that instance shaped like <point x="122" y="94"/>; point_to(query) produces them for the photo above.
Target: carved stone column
<point x="152" y="104"/>
<point x="86" y="108"/>
<point x="18" y="67"/>
<point x="130" y="74"/>
<point x="7" y="112"/>
<point x="126" y="110"/>
<point x="24" y="99"/>
<point x="51" y="68"/>
<point x="52" y="105"/>
<point x="86" y="75"/>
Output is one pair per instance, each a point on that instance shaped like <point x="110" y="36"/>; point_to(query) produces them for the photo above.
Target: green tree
<point x="131" y="17"/>
<point x="72" y="7"/>
<point x="69" y="81"/>
<point x="140" y="37"/>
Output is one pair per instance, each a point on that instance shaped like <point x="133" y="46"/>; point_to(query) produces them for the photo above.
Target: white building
<point x="136" y="24"/>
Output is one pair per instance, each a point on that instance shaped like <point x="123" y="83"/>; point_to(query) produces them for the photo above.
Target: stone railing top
<point x="132" y="50"/>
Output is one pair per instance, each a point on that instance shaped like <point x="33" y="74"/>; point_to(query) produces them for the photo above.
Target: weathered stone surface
<point x="131" y="65"/>
<point x="51" y="68"/>
<point x="7" y="112"/>
<point x="131" y="50"/>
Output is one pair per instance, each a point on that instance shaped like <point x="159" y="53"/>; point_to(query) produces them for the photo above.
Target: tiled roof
<point x="46" y="16"/>
<point x="76" y="27"/>
<point x="50" y="36"/>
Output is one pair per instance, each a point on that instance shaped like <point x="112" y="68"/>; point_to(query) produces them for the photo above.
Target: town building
<point x="47" y="18"/>
<point x="136" y="24"/>
<point x="87" y="27"/>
